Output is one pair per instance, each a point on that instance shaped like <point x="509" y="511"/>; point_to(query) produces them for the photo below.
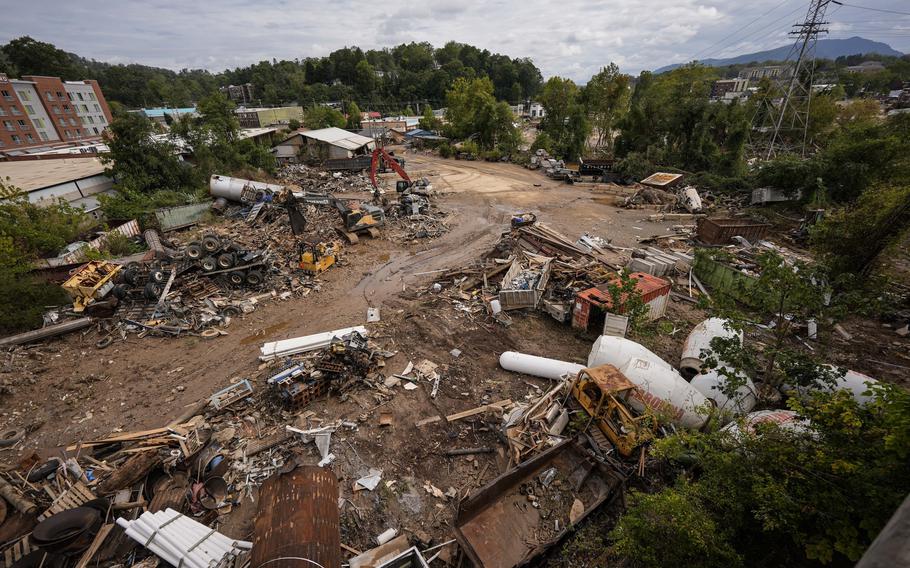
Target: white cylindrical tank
<point x="711" y="385"/>
<point x="663" y="390"/>
<point x="700" y="339"/>
<point x="691" y="199"/>
<point x="853" y="381"/>
<point x="552" y="369"/>
<point x="231" y="188"/>
<point x="617" y="351"/>
<point x="786" y="419"/>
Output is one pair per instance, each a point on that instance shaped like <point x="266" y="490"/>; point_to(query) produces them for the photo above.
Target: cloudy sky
<point x="568" y="37"/>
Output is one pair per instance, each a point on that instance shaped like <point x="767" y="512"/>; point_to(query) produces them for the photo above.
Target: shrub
<point x="446" y="150"/>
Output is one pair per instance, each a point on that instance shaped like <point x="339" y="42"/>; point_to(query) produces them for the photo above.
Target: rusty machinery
<point x="603" y="392"/>
<point x="91" y="282"/>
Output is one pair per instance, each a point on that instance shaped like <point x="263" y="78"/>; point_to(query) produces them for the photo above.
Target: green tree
<point x="565" y="121"/>
<point x="364" y="78"/>
<point x="319" y="116"/>
<point x="32" y="57"/>
<point x="606" y="97"/>
<point x="354" y="115"/>
<point x="473" y="112"/>
<point x="214" y="135"/>
<point x="429" y="121"/>
<point x="293" y="124"/>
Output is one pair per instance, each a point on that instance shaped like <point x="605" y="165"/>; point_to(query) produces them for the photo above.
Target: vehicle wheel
<point x="254" y="278"/>
<point x="211" y="244"/>
<point x="120" y="292"/>
<point x="10" y="437"/>
<point x="194" y="251"/>
<point x="230" y="311"/>
<point x="152" y="291"/>
<point x="236" y="278"/>
<point x="130" y="275"/>
<point x="225" y="260"/>
<point x="209" y="264"/>
<point x="157" y="276"/>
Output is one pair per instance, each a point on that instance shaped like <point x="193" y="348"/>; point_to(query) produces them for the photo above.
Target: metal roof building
<point x="323" y="144"/>
<point x="78" y="181"/>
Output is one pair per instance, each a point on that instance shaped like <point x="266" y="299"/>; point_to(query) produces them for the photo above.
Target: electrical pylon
<point x="790" y="126"/>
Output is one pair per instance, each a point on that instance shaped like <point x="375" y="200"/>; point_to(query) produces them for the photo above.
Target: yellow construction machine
<point x="91" y="282"/>
<point x="318" y="257"/>
<point x="604" y="393"/>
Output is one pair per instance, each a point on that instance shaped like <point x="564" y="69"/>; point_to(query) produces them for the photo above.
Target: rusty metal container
<point x="720" y="231"/>
<point x="298" y="518"/>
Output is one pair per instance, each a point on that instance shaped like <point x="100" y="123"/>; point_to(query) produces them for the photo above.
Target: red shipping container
<point x="654" y="291"/>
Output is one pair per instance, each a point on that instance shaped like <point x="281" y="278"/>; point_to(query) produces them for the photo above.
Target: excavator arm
<point x="381" y="154"/>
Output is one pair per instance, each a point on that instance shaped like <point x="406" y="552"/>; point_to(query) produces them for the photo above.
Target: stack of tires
<point x="215" y="255"/>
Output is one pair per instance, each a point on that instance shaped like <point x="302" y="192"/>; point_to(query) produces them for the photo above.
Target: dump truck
<point x="604" y="392"/>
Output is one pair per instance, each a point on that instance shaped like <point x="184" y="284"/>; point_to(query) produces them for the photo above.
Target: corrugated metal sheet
<point x="181" y="216"/>
<point x="298" y="517"/>
<point x="339" y="137"/>
<point x="661" y="179"/>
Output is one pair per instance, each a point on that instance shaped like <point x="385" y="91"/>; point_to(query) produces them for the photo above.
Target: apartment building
<point x="36" y="111"/>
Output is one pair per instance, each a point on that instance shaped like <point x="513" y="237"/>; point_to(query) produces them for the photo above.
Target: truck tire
<point x="152" y="291"/>
<point x="254" y="278"/>
<point x="194" y="251"/>
<point x="211" y="244"/>
<point x="209" y="264"/>
<point x="226" y="260"/>
<point x="157" y="276"/>
<point x="236" y="278"/>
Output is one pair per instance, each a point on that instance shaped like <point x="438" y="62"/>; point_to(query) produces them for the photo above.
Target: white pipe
<point x="618" y="351"/>
<point x="663" y="390"/>
<point x="293" y="346"/>
<point x="552" y="369"/>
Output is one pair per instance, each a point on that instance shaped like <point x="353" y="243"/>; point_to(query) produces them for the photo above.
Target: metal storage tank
<point x="700" y="340"/>
<point x="662" y="389"/>
<point x="240" y="190"/>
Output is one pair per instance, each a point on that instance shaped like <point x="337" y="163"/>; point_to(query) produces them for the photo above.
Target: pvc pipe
<point x="296" y="345"/>
<point x="552" y="369"/>
<point x="618" y="351"/>
<point x="699" y="341"/>
<point x="663" y="390"/>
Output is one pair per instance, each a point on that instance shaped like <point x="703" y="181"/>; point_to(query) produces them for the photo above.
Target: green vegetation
<point x="28" y="232"/>
<point x="778" y="497"/>
<point x="318" y="116"/>
<point x="474" y="113"/>
<point x="383" y="80"/>
<point x="566" y="121"/>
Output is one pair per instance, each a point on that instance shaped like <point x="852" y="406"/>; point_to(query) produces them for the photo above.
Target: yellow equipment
<point x="604" y="392"/>
<point x="317" y="258"/>
<point x="91" y="282"/>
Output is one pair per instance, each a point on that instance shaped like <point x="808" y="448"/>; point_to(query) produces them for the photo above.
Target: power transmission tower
<point x="790" y="120"/>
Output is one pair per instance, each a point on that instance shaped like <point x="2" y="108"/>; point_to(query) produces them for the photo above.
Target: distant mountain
<point x="826" y="48"/>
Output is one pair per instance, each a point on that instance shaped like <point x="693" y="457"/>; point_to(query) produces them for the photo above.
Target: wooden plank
<point x="255" y="446"/>
<point x="128" y="436"/>
<point x="96" y="544"/>
<point x="479" y="410"/>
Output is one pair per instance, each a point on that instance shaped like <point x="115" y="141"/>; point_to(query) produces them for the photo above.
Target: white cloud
<point x="571" y="37"/>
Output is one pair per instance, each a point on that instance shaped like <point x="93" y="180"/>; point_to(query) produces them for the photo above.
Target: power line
<point x="735" y="32"/>
<point x="871" y="9"/>
<point x="761" y="29"/>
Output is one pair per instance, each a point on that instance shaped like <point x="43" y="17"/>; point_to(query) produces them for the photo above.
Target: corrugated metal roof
<point x="338" y="137"/>
<point x="32" y="175"/>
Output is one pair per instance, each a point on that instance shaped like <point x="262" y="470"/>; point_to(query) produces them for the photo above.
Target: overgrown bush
<point x="544" y="142"/>
<point x="125" y="205"/>
<point x="470" y="147"/>
<point x="446" y="150"/>
<point x="493" y="155"/>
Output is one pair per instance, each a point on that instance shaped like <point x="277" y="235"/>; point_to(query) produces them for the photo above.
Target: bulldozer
<point x="362" y="220"/>
<point x="318" y="257"/>
<point x="603" y="392"/>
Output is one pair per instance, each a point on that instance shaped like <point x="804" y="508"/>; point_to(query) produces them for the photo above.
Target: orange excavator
<point x="380" y="154"/>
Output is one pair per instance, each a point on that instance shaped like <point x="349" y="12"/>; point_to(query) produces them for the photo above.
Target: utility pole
<point x="797" y="97"/>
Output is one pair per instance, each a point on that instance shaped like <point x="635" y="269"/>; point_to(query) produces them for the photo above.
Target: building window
<point x="6" y="95"/>
<point x="60" y="96"/>
<point x="49" y="95"/>
<point x="29" y="109"/>
<point x="22" y="124"/>
<point x="56" y="109"/>
<point x="80" y="96"/>
<point x="29" y="138"/>
<point x="102" y="120"/>
<point x="91" y="97"/>
<point x="2" y="143"/>
<point x="91" y="120"/>
<point x="97" y="108"/>
<point x="9" y="126"/>
<point x="95" y="128"/>
<point x="72" y="122"/>
<point x="84" y="108"/>
<point x="66" y="108"/>
<point x="2" y="111"/>
<point x="16" y="139"/>
<point x="43" y="135"/>
<point x="69" y="95"/>
<point x="23" y="95"/>
<point x="16" y="111"/>
<point x="39" y="122"/>
<point x="62" y="122"/>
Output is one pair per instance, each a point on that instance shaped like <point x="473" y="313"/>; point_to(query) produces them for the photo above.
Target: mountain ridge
<point x="825" y="48"/>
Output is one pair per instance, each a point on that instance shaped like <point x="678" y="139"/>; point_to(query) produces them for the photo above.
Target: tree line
<point x="377" y="79"/>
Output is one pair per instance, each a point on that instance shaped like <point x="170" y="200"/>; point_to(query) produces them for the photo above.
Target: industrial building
<point x="76" y="180"/>
<point x="37" y="111"/>
<point x="262" y="117"/>
<point x="242" y="94"/>
<point x="322" y="144"/>
<point x="161" y="114"/>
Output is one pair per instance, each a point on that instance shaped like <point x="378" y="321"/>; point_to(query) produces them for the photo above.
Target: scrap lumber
<point x="73" y="497"/>
<point x="128" y="437"/>
<point x="133" y="469"/>
<point x="12" y="496"/>
<point x="479" y="410"/>
<point x="96" y="544"/>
